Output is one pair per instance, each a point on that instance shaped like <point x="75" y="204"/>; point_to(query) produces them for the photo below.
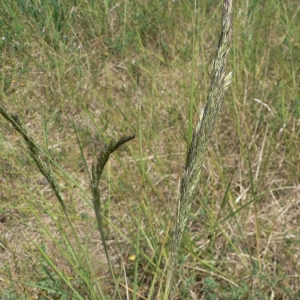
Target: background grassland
<point x="78" y="73"/>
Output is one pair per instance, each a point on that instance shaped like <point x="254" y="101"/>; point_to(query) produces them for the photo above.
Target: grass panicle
<point x="190" y="179"/>
<point x="35" y="153"/>
<point x="97" y="169"/>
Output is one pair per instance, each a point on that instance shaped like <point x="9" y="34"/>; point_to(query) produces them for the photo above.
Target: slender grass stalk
<point x="137" y="251"/>
<point x="192" y="88"/>
<point x="124" y="29"/>
<point x="189" y="181"/>
<point x="97" y="170"/>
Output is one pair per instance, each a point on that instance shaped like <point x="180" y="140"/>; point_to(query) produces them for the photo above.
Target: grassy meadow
<point x="81" y="73"/>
